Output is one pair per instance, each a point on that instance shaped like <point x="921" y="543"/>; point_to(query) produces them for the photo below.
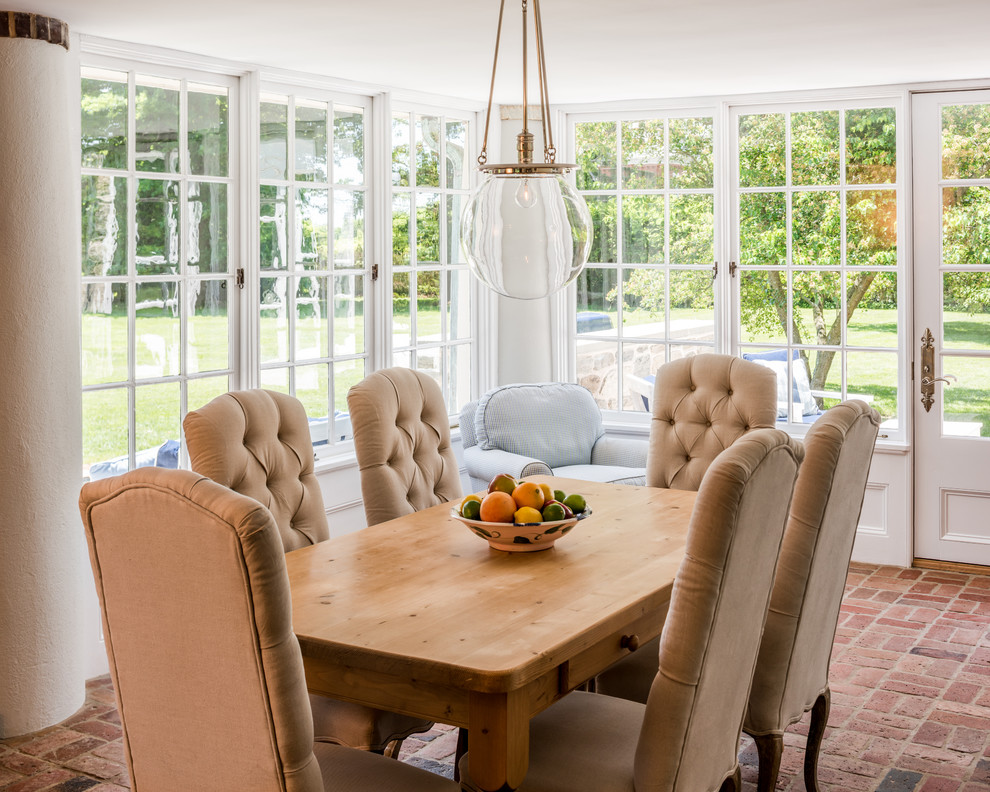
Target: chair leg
<point x="816" y="731"/>
<point x="733" y="783"/>
<point x="393" y="748"/>
<point x="459" y="751"/>
<point x="769" y="748"/>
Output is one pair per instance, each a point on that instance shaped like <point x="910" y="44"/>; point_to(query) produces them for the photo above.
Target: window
<point x="431" y="286"/>
<point x="646" y="296"/>
<point x="313" y="340"/>
<point x="156" y="310"/>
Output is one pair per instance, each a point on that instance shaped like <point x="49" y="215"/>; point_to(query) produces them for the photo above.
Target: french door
<point x="951" y="385"/>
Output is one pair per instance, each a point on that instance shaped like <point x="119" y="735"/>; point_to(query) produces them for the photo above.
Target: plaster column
<point x="43" y="560"/>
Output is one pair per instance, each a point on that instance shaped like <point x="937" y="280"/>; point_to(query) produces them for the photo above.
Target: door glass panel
<point x="966" y="310"/>
<point x="871" y="146"/>
<point x="815" y="147"/>
<point x="428" y="362"/>
<point x="348" y="229"/>
<point x="348" y="315"/>
<point x="156" y="125"/>
<point x="643" y="304"/>
<point x="871" y="228"/>
<point x="692" y="229"/>
<point x="458" y="306"/>
<point x="209" y="108"/>
<point x="400" y="150"/>
<point x="311" y="140"/>
<point x="597" y="300"/>
<point x="763" y="306"/>
<point x="452" y="219"/>
<point x="816" y="229"/>
<point x="642" y="155"/>
<point x="872" y="296"/>
<point x="312" y="220"/>
<point x="104" y="225"/>
<point x="428" y="136"/>
<point x="104" y="333"/>
<point x="643" y="229"/>
<point x="692" y="302"/>
<point x="156" y="421"/>
<point x="762" y="152"/>
<point x="400" y="229"/>
<point x="346" y="374"/>
<point x="603" y="220"/>
<point x="313" y="390"/>
<point x="105" y="439"/>
<point x="208" y="344"/>
<point x="274" y="231"/>
<point x="312" y="326"/>
<point x="639" y="365"/>
<point x="274" y="142"/>
<point x="276" y="379"/>
<point x="762" y="229"/>
<point x="872" y="377"/>
<point x="817" y="307"/>
<point x="206" y="248"/>
<point x="692" y="160"/>
<point x="597" y="155"/>
<point x="204" y="390"/>
<point x="597" y="370"/>
<point x="348" y="146"/>
<point x="157" y="227"/>
<point x="274" y="320"/>
<point x="966" y="141"/>
<point x="458" y="170"/>
<point x="104" y="119"/>
<point x="427" y="228"/>
<point x="156" y="330"/>
<point x="459" y="376"/>
<point x="401" y="310"/>
<point x="965" y="226"/>
<point x="966" y="401"/>
<point x="428" y="319"/>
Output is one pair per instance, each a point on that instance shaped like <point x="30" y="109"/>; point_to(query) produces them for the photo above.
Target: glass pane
<point x="311" y="140"/>
<point x="313" y="390"/>
<point x="274" y="220"/>
<point x="401" y="302"/>
<point x="403" y="359"/>
<point x="817" y="307"/>
<point x="209" y="147"/>
<point x="312" y="327"/>
<point x="428" y="362"/>
<point x="871" y="146"/>
<point x="966" y="402"/>
<point x="400" y="229"/>
<point x="642" y="155"/>
<point x="348" y="229"/>
<point x="104" y="225"/>
<point x="274" y="138"/>
<point x="348" y="315"/>
<point x="871" y="228"/>
<point x="692" y="229"/>
<point x="275" y="379"/>
<point x="816" y="229"/>
<point x="642" y="229"/>
<point x="871" y="299"/>
<point x="428" y="135"/>
<point x="458" y="168"/>
<point x="458" y="306"/>
<point x="965" y="141"/>
<point x="104" y="333"/>
<point x="692" y="304"/>
<point x="312" y="222"/>
<point x="202" y="391"/>
<point x="156" y="420"/>
<point x="597" y="301"/>
<point x="822" y="371"/>
<point x="104" y="119"/>
<point x="643" y="302"/>
<point x="208" y="341"/>
<point x="427" y="228"/>
<point x="815" y="147"/>
<point x="459" y="377"/>
<point x="274" y="320"/>
<point x="872" y="377"/>
<point x="763" y="306"/>
<point x="206" y="250"/>
<point x="597" y="370"/>
<point x="348" y="146"/>
<point x="104" y="435"/>
<point x="692" y="162"/>
<point x="603" y="221"/>
<point x="428" y="320"/>
<point x="346" y="374"/>
<point x="156" y="330"/>
<point x="597" y="155"/>
<point x="762" y="155"/>
<point x="762" y="229"/>
<point x="639" y="365"/>
<point x="156" y="125"/>
<point x="157" y="227"/>
<point x="965" y="226"/>
<point x="966" y="310"/>
<point x="400" y="150"/>
<point x="455" y="204"/>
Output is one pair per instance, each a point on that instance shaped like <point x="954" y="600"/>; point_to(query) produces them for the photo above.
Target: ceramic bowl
<point x="517" y="538"/>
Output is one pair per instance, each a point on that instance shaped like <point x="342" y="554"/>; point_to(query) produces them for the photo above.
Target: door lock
<point x="928" y="369"/>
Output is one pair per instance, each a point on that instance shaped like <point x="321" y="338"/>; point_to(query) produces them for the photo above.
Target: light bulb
<point x="525" y="195"/>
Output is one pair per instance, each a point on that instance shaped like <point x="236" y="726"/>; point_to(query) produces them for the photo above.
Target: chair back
<point x="402" y="441"/>
<point x="701" y="405"/>
<point x="257" y="443"/>
<point x="198" y="628"/>
<point x="708" y="647"/>
<point x="792" y="670"/>
<point x="555" y="422"/>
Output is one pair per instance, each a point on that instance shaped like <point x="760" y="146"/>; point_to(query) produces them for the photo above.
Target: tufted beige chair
<point x="792" y="670"/>
<point x="702" y="405"/>
<point x="198" y="625"/>
<point x="685" y="738"/>
<point x="257" y="443"/>
<point x="402" y="442"/>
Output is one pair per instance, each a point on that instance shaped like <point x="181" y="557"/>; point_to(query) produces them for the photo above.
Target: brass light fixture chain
<point x="549" y="150"/>
<point x="525" y="49"/>
<point x="483" y="156"/>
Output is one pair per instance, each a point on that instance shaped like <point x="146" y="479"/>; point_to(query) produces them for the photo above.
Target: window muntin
<point x="156" y="323"/>
<point x="646" y="295"/>
<point x="314" y="272"/>
<point x="431" y="287"/>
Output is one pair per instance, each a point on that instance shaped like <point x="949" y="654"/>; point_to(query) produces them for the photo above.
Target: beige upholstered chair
<point x="257" y="443"/>
<point x="702" y="405"/>
<point x="402" y="442"/>
<point x="198" y="627"/>
<point x="685" y="738"/>
<point x="792" y="670"/>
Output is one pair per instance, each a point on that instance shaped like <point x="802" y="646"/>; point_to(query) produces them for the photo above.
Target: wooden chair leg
<point x="769" y="748"/>
<point x="733" y="783"/>
<point x="819" y="719"/>
<point x="459" y="751"/>
<point x="392" y="749"/>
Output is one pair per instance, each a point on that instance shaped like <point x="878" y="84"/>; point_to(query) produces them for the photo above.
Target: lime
<point x="554" y="511"/>
<point x="576" y="503"/>
<point x="471" y="509"/>
<point x="559" y="495"/>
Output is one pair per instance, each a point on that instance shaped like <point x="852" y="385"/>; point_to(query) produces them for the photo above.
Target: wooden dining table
<point x="420" y="616"/>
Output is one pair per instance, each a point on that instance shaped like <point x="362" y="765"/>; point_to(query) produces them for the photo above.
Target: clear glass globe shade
<point x="526" y="235"/>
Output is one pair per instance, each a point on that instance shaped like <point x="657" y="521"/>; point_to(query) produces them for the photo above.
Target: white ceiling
<point x="597" y="50"/>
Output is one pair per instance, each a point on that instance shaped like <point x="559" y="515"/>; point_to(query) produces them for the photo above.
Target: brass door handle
<point x="929" y="381"/>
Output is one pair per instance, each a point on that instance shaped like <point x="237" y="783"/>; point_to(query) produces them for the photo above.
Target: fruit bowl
<point x="521" y="538"/>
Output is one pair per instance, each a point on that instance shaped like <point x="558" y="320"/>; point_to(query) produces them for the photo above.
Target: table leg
<point x="498" y="740"/>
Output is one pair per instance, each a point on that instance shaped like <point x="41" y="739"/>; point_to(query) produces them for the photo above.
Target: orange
<point x="498" y="507"/>
<point x="528" y="493"/>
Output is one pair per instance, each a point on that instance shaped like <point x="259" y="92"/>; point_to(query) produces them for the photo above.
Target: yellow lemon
<point x="527" y="514"/>
<point x="547" y="493"/>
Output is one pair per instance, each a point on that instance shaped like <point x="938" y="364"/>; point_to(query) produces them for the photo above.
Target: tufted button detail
<point x="729" y="391"/>
<point x="694" y="387"/>
<point x="708" y="423"/>
<point x="687" y="458"/>
<point x="746" y="427"/>
<point x="671" y="421"/>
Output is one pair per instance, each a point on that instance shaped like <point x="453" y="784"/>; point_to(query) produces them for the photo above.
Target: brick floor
<point x="910" y="703"/>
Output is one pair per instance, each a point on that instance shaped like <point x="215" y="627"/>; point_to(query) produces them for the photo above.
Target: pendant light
<point x="526" y="231"/>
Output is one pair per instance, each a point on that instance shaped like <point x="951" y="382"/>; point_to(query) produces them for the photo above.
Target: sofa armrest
<point x="624" y="451"/>
<point x="485" y="465"/>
